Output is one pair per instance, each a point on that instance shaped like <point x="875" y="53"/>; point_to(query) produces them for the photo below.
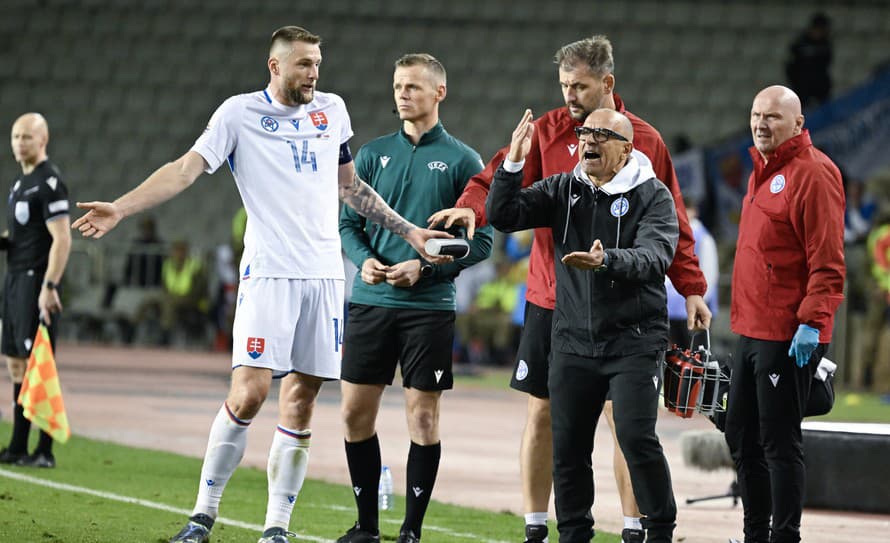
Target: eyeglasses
<point x="600" y="135"/>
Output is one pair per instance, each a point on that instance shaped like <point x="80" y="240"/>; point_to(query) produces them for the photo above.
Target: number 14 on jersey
<point x="304" y="157"/>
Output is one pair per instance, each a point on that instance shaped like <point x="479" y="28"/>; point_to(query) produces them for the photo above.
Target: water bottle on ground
<point x="384" y="490"/>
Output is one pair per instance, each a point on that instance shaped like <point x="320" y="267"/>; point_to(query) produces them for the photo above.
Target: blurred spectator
<point x="859" y="213"/>
<point x="876" y="356"/>
<point x="488" y="329"/>
<point x="239" y="226"/>
<point x="808" y="67"/>
<point x="143" y="267"/>
<point x="225" y="291"/>
<point x="184" y="300"/>
<point x="706" y="251"/>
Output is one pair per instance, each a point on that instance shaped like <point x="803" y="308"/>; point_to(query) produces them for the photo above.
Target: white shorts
<point x="289" y="325"/>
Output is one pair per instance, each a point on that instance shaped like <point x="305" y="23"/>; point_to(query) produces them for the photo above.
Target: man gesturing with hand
<point x="614" y="231"/>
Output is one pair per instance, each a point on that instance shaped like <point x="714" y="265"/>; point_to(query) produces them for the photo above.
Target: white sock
<point x="288" y="462"/>
<point x="633" y="523"/>
<point x="225" y="447"/>
<point x="537" y="519"/>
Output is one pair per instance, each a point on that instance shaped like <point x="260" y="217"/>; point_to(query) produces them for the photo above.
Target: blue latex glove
<point x="804" y="343"/>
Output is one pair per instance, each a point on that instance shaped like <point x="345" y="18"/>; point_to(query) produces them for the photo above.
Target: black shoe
<point x="633" y="535"/>
<point x="276" y="535"/>
<point x="535" y="533"/>
<point x="357" y="535"/>
<point x="407" y="536"/>
<point x="37" y="460"/>
<point x="9" y="457"/>
<point x="196" y="531"/>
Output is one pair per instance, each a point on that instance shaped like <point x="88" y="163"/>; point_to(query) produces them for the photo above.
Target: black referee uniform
<point x="34" y="199"/>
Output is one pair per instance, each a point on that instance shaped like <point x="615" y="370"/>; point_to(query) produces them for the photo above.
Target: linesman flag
<point x="41" y="395"/>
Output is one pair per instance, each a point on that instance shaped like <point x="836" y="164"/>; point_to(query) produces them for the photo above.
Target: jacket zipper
<point x="591" y="275"/>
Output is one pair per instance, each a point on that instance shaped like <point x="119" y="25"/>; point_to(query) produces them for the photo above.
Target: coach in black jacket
<point x="614" y="231"/>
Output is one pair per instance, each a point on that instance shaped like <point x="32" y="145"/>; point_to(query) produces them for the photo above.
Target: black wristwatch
<point x="50" y="285"/>
<point x="426" y="269"/>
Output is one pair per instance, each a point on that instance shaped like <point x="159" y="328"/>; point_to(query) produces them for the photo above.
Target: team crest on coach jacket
<point x="623" y="308"/>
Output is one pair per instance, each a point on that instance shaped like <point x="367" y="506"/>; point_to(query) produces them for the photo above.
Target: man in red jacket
<point x="787" y="284"/>
<point x="587" y="81"/>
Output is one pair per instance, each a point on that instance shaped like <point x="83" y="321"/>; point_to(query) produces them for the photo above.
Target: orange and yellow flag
<point x="41" y="395"/>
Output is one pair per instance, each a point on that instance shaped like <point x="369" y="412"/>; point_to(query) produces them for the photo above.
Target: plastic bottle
<point x="384" y="490"/>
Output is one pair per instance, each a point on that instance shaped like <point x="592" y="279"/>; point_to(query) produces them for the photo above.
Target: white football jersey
<point x="285" y="162"/>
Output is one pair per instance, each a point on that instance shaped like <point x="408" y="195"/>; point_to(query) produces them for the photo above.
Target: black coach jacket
<point x="619" y="310"/>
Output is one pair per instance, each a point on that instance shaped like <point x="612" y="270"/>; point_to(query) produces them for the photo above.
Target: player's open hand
<point x="100" y="218"/>
<point x="521" y="143"/>
<point x="586" y="260"/>
<point x="460" y="216"/>
<point x="418" y="237"/>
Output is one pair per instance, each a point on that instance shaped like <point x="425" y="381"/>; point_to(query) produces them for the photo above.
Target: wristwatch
<point x="426" y="269"/>
<point x="50" y="285"/>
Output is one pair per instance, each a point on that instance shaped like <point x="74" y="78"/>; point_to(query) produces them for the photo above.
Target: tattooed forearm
<point x="361" y="197"/>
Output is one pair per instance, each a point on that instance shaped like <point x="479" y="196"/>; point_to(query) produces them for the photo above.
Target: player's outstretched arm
<point x="165" y="183"/>
<point x="358" y="195"/>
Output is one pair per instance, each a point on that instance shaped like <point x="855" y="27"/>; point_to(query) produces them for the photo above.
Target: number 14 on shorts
<point x="338" y="334"/>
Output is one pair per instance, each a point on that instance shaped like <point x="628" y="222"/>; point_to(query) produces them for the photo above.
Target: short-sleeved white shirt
<point x="285" y="162"/>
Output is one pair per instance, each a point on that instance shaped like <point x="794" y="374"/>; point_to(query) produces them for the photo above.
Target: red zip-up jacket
<point x="555" y="150"/>
<point x="789" y="260"/>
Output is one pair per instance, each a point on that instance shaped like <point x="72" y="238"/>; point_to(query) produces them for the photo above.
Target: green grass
<point x="849" y="406"/>
<point x="31" y="512"/>
<point x="857" y="407"/>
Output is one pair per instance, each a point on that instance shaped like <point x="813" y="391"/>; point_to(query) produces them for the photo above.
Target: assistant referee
<point x="38" y="241"/>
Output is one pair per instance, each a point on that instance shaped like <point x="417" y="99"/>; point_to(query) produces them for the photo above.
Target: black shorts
<point x="376" y="339"/>
<point x="20" y="313"/>
<point x="533" y="358"/>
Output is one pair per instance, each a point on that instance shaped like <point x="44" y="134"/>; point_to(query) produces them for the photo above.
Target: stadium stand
<point x="127" y="84"/>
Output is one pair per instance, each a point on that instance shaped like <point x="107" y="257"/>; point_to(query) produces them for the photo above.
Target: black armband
<point x="345" y="153"/>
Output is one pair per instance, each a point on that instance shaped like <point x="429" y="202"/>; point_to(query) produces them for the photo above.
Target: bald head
<point x="603" y="152"/>
<point x="30" y="136"/>
<point x="775" y="118"/>
<point x="611" y="119"/>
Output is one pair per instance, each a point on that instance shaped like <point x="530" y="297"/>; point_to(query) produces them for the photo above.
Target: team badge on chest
<point x="777" y="184"/>
<point x="319" y="120"/>
<point x="619" y="207"/>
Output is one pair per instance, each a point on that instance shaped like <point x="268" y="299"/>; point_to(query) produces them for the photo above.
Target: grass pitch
<point x="107" y="493"/>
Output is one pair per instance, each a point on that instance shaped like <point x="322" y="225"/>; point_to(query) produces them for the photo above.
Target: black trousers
<point x="767" y="399"/>
<point x="578" y="387"/>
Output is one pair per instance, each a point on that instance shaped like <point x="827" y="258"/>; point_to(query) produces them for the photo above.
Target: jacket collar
<point x="429" y="136"/>
<point x="783" y="154"/>
<point x="637" y="170"/>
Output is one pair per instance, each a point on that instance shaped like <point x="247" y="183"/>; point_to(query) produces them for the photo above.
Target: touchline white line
<point x="220" y="520"/>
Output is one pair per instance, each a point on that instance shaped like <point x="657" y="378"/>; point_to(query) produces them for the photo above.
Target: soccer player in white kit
<point x="287" y="148"/>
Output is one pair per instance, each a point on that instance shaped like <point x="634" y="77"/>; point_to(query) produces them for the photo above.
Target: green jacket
<point x="416" y="181"/>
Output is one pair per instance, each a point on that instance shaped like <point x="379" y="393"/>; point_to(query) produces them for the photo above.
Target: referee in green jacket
<point x="402" y="308"/>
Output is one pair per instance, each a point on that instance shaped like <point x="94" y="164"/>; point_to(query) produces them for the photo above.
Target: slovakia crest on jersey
<point x="256" y="346"/>
<point x="777" y="184"/>
<point x="320" y="120"/>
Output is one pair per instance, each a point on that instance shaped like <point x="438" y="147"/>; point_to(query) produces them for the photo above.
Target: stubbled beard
<point x="298" y="97"/>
